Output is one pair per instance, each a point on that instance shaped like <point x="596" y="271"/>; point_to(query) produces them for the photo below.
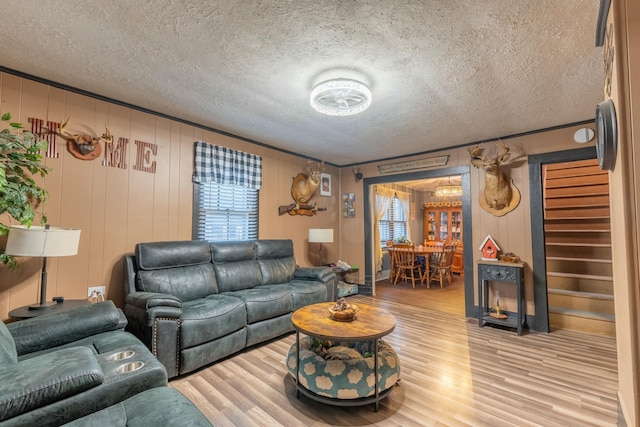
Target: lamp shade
<point x="321" y="235"/>
<point x="45" y="241"/>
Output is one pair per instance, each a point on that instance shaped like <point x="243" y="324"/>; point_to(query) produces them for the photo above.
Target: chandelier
<point x="449" y="191"/>
<point x="340" y="97"/>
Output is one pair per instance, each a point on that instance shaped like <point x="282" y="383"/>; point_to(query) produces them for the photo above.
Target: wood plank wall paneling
<point x="118" y="207"/>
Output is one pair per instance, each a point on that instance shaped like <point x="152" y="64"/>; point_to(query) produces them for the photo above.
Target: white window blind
<point x="226" y="212"/>
<point x="393" y="224"/>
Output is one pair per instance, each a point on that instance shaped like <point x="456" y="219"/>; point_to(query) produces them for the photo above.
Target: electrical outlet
<point x="99" y="290"/>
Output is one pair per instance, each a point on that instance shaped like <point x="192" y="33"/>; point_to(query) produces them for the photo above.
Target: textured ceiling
<point x="442" y="73"/>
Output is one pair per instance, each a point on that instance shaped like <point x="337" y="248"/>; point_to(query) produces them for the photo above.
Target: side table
<point x="499" y="271"/>
<point x="26" y="312"/>
<point x="342" y="274"/>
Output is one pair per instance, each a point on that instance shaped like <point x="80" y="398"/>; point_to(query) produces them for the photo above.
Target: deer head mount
<point x="304" y="187"/>
<point x="82" y="145"/>
<point x="499" y="195"/>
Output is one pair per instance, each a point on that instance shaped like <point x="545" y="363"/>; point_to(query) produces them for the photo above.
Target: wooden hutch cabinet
<point x="443" y="223"/>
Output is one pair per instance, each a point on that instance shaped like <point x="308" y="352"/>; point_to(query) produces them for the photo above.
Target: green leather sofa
<point x="193" y="302"/>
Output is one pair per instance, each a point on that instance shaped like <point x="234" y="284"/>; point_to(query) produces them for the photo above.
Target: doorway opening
<point x="578" y="247"/>
<point x="571" y="242"/>
<point x="466" y="267"/>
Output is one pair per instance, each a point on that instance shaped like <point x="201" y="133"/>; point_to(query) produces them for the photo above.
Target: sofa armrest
<point x="145" y="307"/>
<point x="52" y="330"/>
<point x="155" y="318"/>
<point x="313" y="273"/>
<point x="322" y="274"/>
<point x="42" y="380"/>
<point x="129" y="271"/>
<point x="147" y="300"/>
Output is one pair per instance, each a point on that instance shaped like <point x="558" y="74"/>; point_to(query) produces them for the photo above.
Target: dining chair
<point x="440" y="265"/>
<point x="434" y="243"/>
<point x="405" y="266"/>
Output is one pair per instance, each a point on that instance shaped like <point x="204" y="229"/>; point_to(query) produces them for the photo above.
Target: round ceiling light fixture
<point x="340" y="97"/>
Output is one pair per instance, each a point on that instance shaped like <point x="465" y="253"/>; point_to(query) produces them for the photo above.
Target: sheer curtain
<point x="383" y="198"/>
<point x="405" y="202"/>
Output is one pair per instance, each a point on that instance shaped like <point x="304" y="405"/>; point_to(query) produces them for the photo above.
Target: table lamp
<point x="321" y="235"/>
<point x="36" y="241"/>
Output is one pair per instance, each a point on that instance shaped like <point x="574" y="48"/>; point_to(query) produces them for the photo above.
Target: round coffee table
<point x="370" y="324"/>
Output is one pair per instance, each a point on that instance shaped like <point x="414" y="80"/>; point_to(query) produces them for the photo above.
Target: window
<point x="225" y="201"/>
<point x="225" y="212"/>
<point x="393" y="224"/>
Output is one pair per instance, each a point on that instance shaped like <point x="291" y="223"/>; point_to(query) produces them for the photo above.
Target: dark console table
<point x="498" y="271"/>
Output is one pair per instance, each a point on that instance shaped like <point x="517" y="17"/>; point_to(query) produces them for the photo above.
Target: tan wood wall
<point x="511" y="232"/>
<point x="624" y="20"/>
<point x="117" y="208"/>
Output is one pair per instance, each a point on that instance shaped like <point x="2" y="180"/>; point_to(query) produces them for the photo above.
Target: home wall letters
<point x="114" y="152"/>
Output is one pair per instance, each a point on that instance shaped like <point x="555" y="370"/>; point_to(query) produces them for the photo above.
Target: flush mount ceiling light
<point x="340" y="97"/>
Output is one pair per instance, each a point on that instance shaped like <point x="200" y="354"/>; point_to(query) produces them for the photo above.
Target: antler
<point x="474" y="152"/>
<point x="504" y="156"/>
<point x="63" y="132"/>
<point x="106" y="137"/>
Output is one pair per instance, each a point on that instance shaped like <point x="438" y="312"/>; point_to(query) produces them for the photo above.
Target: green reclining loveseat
<point x="59" y="367"/>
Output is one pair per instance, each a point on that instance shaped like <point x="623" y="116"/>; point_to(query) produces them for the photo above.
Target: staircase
<point x="578" y="247"/>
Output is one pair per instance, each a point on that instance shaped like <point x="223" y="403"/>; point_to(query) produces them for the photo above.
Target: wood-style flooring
<point x="453" y="374"/>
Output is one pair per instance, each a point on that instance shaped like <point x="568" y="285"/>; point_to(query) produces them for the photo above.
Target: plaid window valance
<point x="225" y="166"/>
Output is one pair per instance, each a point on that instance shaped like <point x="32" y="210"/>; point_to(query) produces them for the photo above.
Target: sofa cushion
<point x="229" y="251"/>
<point x="161" y="255"/>
<point x="235" y="265"/>
<point x="265" y="302"/>
<point x="8" y="352"/>
<point x="186" y="283"/>
<point x="303" y="292"/>
<point x="160" y="406"/>
<point x="180" y="268"/>
<point x="277" y="270"/>
<point x="56" y="329"/>
<point x="206" y="319"/>
<point x="276" y="260"/>
<point x="38" y="382"/>
<point x="271" y="249"/>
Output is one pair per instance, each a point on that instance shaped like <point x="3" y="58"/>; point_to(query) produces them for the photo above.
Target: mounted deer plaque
<point x="304" y="187"/>
<point x="499" y="196"/>
<point x="84" y="146"/>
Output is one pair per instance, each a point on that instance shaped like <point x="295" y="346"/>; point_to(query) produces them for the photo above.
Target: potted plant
<point x="20" y="160"/>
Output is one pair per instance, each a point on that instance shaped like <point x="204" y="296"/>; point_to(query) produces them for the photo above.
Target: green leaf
<point x="20" y="161"/>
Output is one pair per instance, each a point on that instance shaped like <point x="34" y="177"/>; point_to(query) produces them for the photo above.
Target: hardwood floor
<point x="453" y="374"/>
<point x="448" y="299"/>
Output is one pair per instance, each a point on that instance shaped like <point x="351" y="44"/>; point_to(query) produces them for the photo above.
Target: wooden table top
<point x="370" y="323"/>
